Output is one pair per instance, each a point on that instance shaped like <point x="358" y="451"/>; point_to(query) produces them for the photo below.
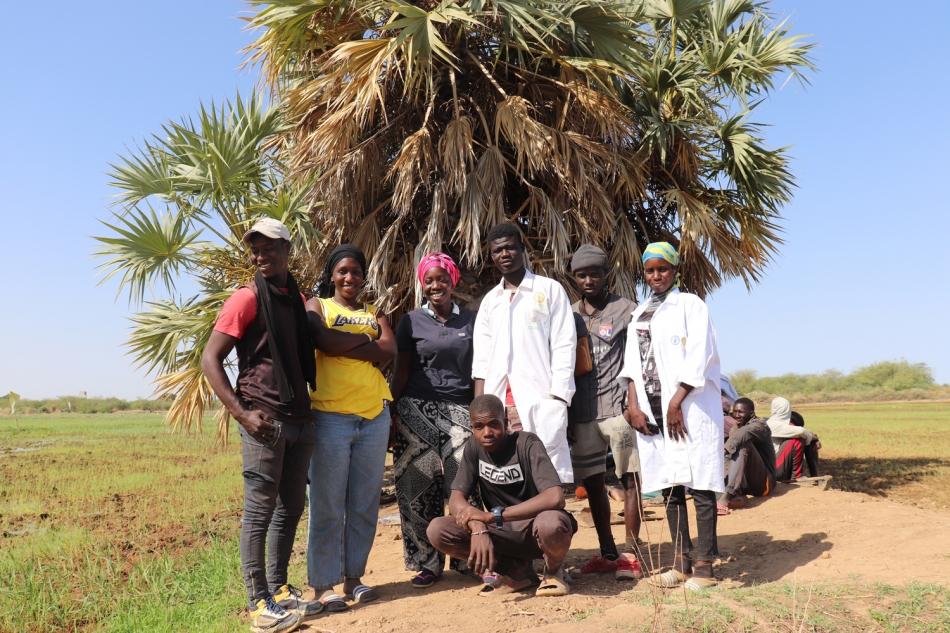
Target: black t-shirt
<point x="520" y="471"/>
<point x="441" y="366"/>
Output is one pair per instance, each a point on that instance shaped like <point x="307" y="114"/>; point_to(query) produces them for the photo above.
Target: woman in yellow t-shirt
<point x="351" y="418"/>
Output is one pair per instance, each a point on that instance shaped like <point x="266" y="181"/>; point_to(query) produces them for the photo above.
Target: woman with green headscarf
<point x="671" y="371"/>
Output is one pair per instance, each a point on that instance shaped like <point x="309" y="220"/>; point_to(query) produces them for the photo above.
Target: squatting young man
<point x="517" y="480"/>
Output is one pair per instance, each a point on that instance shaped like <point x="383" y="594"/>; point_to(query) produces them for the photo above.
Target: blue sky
<point x="862" y="277"/>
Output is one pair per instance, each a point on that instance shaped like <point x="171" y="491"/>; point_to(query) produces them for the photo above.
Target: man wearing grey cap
<point x="597" y="416"/>
<point x="267" y="323"/>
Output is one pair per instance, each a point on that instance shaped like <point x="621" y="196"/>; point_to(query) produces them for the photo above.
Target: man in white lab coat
<point x="524" y="348"/>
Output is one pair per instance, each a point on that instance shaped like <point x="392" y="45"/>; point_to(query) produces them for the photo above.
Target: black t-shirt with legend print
<point x="518" y="472"/>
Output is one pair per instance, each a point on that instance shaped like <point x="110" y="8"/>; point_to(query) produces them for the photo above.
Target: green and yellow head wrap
<point x="663" y="250"/>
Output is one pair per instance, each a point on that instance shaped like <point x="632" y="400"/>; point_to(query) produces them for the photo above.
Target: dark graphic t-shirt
<point x="515" y="474"/>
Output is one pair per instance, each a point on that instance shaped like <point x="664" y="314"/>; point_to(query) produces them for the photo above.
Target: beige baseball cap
<point x="268" y="227"/>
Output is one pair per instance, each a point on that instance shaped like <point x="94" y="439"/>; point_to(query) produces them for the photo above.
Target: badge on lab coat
<point x="538" y="321"/>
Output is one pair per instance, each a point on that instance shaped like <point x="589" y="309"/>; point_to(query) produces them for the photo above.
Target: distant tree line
<point x="76" y="404"/>
<point x="878" y="381"/>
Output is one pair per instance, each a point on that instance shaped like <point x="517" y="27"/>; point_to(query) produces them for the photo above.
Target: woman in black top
<point x="432" y="387"/>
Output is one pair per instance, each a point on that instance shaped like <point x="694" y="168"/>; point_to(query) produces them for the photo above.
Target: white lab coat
<point x="531" y="341"/>
<point x="684" y="345"/>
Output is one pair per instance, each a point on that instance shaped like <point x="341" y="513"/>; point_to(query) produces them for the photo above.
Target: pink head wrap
<point x="439" y="260"/>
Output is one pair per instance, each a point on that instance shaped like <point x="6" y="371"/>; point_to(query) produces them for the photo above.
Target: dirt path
<point x="799" y="533"/>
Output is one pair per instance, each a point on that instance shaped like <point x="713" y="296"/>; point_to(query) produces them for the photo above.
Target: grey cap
<point x="589" y="256"/>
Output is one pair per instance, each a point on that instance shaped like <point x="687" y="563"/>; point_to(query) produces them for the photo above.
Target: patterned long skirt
<point x="430" y="437"/>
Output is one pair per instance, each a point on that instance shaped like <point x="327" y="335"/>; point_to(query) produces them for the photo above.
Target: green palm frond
<point x="287" y="205"/>
<point x="148" y="248"/>
<point x="168" y="332"/>
<point x="215" y="174"/>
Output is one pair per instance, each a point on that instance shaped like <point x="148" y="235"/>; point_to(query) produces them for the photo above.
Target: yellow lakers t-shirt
<point x="347" y="385"/>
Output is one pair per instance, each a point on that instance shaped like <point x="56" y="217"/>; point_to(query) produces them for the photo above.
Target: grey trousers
<point x="546" y="536"/>
<point x="275" y="485"/>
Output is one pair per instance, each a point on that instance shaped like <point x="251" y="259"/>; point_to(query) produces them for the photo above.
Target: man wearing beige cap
<point x="266" y="322"/>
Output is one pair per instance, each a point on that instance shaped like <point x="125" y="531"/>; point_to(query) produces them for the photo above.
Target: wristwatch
<point x="497" y="512"/>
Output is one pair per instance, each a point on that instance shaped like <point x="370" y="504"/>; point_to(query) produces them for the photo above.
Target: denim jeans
<point x="346" y="473"/>
<point x="275" y="485"/>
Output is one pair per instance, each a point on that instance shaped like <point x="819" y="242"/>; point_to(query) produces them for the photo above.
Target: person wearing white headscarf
<point x="791" y="442"/>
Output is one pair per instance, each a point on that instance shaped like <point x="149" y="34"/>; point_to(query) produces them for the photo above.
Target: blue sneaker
<point x="270" y="617"/>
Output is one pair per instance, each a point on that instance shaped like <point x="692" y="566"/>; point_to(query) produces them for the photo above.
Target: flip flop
<point x="424" y="579"/>
<point x="552" y="585"/>
<point x="361" y="594"/>
<point x="669" y="579"/>
<point x="310" y="609"/>
<point x="333" y="603"/>
<point x="722" y="510"/>
<point x="695" y="585"/>
<point x="736" y="502"/>
<point x="503" y="586"/>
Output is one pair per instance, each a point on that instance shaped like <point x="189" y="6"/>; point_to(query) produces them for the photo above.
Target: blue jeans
<point x="346" y="472"/>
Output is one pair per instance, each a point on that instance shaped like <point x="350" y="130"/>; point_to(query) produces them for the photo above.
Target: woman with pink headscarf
<point x="432" y="387"/>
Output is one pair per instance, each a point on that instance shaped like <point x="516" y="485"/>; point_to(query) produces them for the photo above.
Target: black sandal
<point x="424" y="579"/>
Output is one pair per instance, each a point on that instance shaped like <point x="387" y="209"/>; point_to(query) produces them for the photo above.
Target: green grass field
<point x="111" y="524"/>
<point x="898" y="450"/>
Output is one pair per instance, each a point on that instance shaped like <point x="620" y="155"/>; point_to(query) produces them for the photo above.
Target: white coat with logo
<point x="684" y="346"/>
<point x="530" y="341"/>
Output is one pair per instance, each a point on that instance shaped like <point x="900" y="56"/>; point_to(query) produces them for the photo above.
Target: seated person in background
<point x="728" y="422"/>
<point x="750" y="458"/>
<point x="790" y="442"/>
<point x="811" y="451"/>
<point x="517" y="480"/>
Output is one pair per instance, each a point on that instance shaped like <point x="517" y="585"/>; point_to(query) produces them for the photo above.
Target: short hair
<point x="747" y="402"/>
<point x="503" y="230"/>
<point x="797" y="419"/>
<point x="487" y="403"/>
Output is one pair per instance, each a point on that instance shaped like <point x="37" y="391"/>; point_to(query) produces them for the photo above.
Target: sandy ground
<point x="799" y="534"/>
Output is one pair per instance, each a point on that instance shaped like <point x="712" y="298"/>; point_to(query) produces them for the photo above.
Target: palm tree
<point x="415" y="126"/>
<point x="210" y="178"/>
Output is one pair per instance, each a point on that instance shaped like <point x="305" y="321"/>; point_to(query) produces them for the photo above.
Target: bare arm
<point x="479" y="387"/>
<point x="380" y="350"/>
<point x="550" y="499"/>
<point x="216" y="351"/>
<point x="400" y="376"/>
<point x="328" y="340"/>
<point x="635" y="417"/>
<point x="675" y="426"/>
<point x="458" y="501"/>
<point x="481" y="557"/>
